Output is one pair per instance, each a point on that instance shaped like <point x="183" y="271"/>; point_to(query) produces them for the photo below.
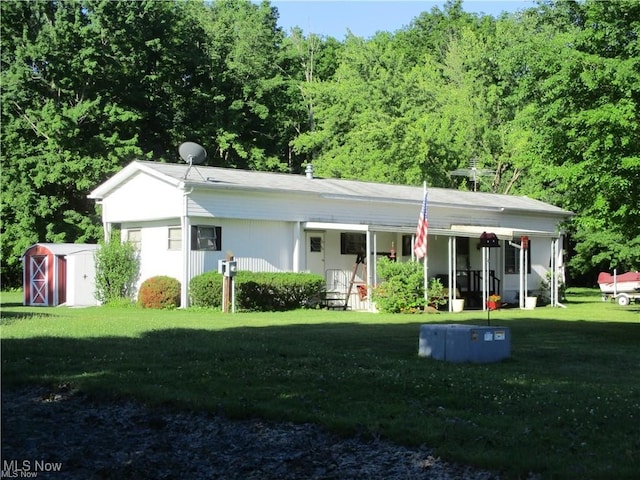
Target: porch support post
<point x="185" y="224"/>
<point x="370" y="263"/>
<point x="523" y="279"/>
<point x="454" y="244"/>
<point x="485" y="277"/>
<point x="106" y="228"/>
<point x="450" y="269"/>
<point x="296" y="247"/>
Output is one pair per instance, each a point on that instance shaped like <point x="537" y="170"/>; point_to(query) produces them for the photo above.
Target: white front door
<point x="315" y="252"/>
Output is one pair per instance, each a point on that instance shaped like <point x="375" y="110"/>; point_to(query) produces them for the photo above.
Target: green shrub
<point x="277" y="291"/>
<point x="205" y="290"/>
<point x="159" y="292"/>
<point x="402" y="288"/>
<point x="117" y="270"/>
<point x="258" y="291"/>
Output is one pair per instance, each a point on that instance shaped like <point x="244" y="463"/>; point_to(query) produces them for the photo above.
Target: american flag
<point x="420" y="245"/>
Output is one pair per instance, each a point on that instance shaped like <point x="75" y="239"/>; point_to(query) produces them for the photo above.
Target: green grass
<point x="565" y="405"/>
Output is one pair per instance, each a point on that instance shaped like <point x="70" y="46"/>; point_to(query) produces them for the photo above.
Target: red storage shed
<point x="45" y="272"/>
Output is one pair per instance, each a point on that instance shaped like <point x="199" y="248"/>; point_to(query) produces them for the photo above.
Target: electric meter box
<point x="464" y="343"/>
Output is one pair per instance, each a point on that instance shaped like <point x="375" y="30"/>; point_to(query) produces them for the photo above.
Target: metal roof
<point x="184" y="176"/>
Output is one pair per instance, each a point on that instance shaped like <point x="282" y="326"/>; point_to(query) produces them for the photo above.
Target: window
<point x="406" y="245"/>
<point x="463" y="261"/>
<point x="353" y="243"/>
<point x="315" y="244"/>
<point x="206" y="238"/>
<point x="512" y="259"/>
<point x="175" y="238"/>
<point x="134" y="237"/>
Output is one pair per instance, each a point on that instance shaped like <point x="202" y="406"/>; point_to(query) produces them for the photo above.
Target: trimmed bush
<point x="205" y="290"/>
<point x="277" y="291"/>
<point x="259" y="291"/>
<point x="159" y="292"/>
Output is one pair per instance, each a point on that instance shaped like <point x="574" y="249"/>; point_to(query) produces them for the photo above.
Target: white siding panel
<point x="143" y="198"/>
<point x="157" y="259"/>
<point x="263" y="206"/>
<point x="258" y="246"/>
<point x="305" y="208"/>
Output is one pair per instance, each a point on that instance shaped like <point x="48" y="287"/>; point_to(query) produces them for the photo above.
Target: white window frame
<point x="134" y="237"/>
<point x="174" y="239"/>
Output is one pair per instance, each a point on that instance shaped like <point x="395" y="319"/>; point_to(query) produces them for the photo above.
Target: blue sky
<point x="365" y="17"/>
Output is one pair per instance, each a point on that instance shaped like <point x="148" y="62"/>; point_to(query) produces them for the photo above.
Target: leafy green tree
<point x="60" y="135"/>
<point x="588" y="112"/>
<point x="90" y="85"/>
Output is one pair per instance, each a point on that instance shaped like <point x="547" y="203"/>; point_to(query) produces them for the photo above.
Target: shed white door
<point x="81" y="275"/>
<point x="315" y="252"/>
<point x="39" y="281"/>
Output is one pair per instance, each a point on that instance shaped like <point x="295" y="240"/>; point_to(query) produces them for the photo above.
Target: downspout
<point x="185" y="224"/>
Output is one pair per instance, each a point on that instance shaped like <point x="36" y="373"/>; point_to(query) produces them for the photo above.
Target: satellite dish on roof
<point x="192" y="153"/>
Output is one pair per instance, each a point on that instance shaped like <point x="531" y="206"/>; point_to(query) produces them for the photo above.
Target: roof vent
<point x="309" y="170"/>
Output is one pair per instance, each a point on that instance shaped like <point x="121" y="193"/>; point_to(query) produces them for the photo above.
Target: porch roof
<point x="472" y="231"/>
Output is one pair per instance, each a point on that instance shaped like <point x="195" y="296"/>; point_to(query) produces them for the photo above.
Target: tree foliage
<point x="547" y="99"/>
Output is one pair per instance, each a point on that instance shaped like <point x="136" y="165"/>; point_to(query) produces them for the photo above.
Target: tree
<point x="60" y="135"/>
<point x="588" y="113"/>
<point x="90" y="85"/>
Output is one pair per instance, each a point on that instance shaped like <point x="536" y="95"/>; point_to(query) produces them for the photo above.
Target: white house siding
<point x="157" y="258"/>
<point x="259" y="246"/>
<point x="142" y="198"/>
<point x="274" y="206"/>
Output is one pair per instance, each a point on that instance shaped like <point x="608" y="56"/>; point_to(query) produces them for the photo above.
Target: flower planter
<point x="530" y="303"/>
<point x="457" y="305"/>
<point x="493" y="305"/>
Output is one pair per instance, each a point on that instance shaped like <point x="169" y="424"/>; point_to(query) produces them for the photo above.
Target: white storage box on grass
<point x="464" y="343"/>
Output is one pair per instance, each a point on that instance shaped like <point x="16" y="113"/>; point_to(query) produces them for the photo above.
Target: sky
<point x="366" y="17"/>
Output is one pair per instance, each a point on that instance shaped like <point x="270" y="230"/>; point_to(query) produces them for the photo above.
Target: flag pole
<point x="426" y="256"/>
<point x="421" y="241"/>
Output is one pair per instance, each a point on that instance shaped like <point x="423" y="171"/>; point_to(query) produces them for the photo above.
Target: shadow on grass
<point x="567" y="384"/>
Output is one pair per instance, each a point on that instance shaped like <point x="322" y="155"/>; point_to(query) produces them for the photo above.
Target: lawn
<point x="565" y="405"/>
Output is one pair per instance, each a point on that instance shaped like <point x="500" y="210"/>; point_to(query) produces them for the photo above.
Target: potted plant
<point x="493" y="303"/>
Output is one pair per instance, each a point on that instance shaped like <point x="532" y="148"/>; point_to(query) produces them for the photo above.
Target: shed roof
<point x="182" y="176"/>
<point x="64" y="248"/>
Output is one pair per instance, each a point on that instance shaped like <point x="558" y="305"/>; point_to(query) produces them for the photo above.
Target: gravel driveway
<point x="65" y="435"/>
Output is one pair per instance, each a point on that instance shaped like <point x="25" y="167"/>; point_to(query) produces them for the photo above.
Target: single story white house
<point x="184" y="219"/>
